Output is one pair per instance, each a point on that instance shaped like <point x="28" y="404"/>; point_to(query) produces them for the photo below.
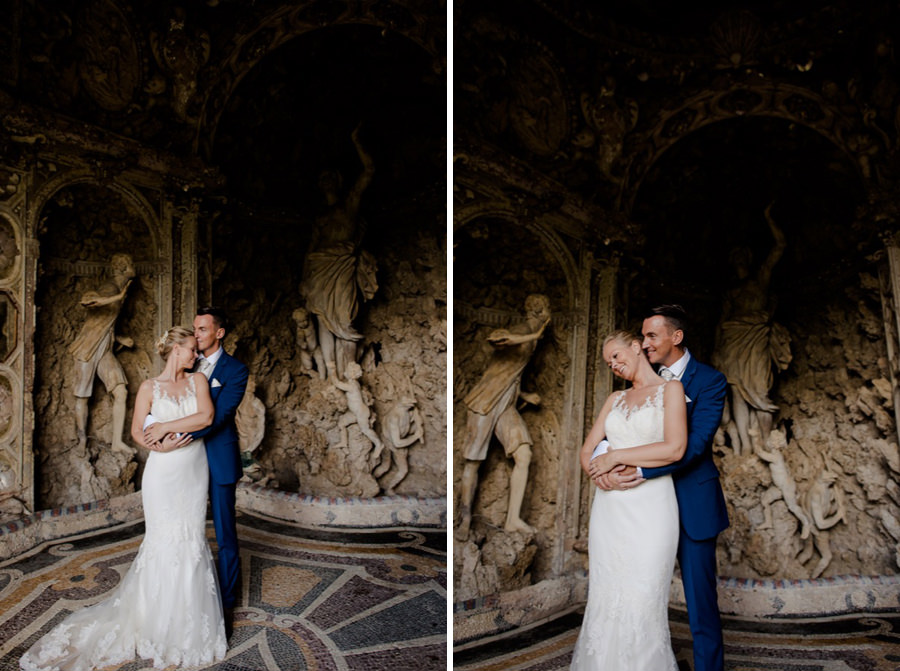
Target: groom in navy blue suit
<point x="701" y="503"/>
<point x="227" y="382"/>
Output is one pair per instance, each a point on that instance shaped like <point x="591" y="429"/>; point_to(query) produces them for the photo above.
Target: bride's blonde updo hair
<point x="174" y="336"/>
<point x="623" y="336"/>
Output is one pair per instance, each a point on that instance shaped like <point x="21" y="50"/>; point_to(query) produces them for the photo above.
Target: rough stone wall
<point x="836" y="412"/>
<point x="256" y="274"/>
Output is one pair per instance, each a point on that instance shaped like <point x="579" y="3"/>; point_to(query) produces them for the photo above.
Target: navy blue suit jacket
<point x="701" y="503"/>
<point x="226" y="387"/>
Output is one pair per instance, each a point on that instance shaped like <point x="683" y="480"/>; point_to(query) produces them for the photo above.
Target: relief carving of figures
<point x="608" y="121"/>
<point x="750" y="346"/>
<point x="403" y="427"/>
<point x="94" y="354"/>
<point x="785" y="487"/>
<point x="311" y="359"/>
<point x="336" y="269"/>
<point x="537" y="105"/>
<point x="492" y="410"/>
<point x="111" y="64"/>
<point x="359" y="401"/>
<point x="824" y="502"/>
<point x="181" y="53"/>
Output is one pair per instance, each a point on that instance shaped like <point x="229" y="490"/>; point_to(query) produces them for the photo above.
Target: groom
<point x="701" y="503"/>
<point x="227" y="382"/>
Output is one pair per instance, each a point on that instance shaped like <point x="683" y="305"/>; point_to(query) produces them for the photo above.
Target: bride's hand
<point x="155" y="433"/>
<point x="602" y="464"/>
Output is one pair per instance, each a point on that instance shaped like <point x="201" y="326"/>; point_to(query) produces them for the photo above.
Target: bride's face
<point x="186" y="353"/>
<point x="622" y="358"/>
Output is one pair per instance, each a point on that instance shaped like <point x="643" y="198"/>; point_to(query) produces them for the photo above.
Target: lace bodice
<point x="627" y="426"/>
<point x="165" y="408"/>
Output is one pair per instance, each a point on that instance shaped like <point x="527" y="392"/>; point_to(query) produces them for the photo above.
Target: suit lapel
<point x="218" y="374"/>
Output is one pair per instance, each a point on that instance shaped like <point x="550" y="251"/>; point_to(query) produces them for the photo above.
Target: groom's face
<point x="207" y="334"/>
<point x="660" y="341"/>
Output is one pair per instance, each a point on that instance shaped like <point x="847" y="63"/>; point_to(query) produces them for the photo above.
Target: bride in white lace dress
<point x="634" y="533"/>
<point x="167" y="607"/>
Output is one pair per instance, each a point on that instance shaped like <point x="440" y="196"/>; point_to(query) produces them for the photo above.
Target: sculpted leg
<point x="81" y="417"/>
<point x="517" y="483"/>
<point x="742" y="420"/>
<point x="467" y="498"/>
<point x="120" y="396"/>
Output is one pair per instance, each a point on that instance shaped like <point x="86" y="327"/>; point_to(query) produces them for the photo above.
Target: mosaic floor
<point x="312" y="600"/>
<point x="864" y="643"/>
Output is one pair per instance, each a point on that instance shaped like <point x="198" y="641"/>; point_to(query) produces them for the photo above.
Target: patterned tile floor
<point x="312" y="600"/>
<point x="869" y="642"/>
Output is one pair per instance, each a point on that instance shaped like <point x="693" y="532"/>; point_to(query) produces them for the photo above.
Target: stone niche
<point x="836" y="415"/>
<point x="402" y="354"/>
<point x="498" y="264"/>
<point x="82" y="226"/>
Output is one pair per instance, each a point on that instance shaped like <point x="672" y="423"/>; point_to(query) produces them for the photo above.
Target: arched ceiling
<point x="292" y="117"/>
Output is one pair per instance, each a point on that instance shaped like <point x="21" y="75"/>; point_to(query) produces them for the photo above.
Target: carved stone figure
<point x="336" y="269"/>
<point x="749" y="344"/>
<point x="785" y="486"/>
<point x="250" y="420"/>
<point x="825" y="504"/>
<point x="403" y="425"/>
<point x="607" y="124"/>
<point x="311" y="359"/>
<point x="93" y="351"/>
<point x="492" y="411"/>
<point x="12" y="502"/>
<point x="181" y="53"/>
<point x="360" y="413"/>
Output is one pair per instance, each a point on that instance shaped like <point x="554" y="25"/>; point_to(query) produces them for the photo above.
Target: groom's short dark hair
<point x="674" y="314"/>
<point x="218" y="315"/>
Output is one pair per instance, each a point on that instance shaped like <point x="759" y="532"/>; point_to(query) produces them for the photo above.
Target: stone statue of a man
<point x="492" y="411"/>
<point x="93" y="352"/>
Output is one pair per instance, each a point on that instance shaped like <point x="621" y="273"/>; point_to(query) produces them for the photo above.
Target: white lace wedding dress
<point x="167" y="607"/>
<point x="631" y="548"/>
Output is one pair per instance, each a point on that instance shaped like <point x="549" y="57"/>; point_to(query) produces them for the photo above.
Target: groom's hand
<point x="173" y="441"/>
<point x="619" y="478"/>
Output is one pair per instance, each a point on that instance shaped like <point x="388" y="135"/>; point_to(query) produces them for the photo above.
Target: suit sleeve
<point x="704" y="423"/>
<point x="227" y="402"/>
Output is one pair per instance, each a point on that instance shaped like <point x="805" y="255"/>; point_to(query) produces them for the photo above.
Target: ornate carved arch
<point x="765" y="98"/>
<point x="287" y="22"/>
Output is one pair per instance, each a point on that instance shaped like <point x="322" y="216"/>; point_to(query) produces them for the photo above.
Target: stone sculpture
<point x="824" y="502"/>
<point x="403" y="425"/>
<point x="785" y="486"/>
<point x="749" y="345"/>
<point x="336" y="269"/>
<point x="492" y="411"/>
<point x="311" y="359"/>
<point x="250" y="420"/>
<point x="93" y="351"/>
<point x="359" y="411"/>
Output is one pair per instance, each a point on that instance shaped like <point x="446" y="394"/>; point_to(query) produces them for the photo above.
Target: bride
<point x="167" y="607"/>
<point x="633" y="534"/>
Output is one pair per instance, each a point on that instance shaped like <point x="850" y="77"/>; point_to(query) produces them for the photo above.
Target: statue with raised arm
<point x="336" y="269"/>
<point x="93" y="351"/>
<point x="492" y="411"/>
<point x="749" y="345"/>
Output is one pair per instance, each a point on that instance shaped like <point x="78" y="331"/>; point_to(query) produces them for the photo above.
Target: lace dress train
<point x="632" y="543"/>
<point x="167" y="607"/>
